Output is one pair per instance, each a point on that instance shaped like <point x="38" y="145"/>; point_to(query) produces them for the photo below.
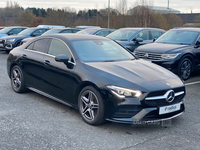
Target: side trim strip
<point x="49" y="96"/>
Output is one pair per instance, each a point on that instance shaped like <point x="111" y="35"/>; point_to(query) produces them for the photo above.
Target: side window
<point x="30" y="47"/>
<point x="67" y="31"/>
<point x="39" y="32"/>
<point x="15" y="31"/>
<point x="39" y="45"/>
<point x="144" y="35"/>
<point x="198" y="41"/>
<point x="74" y="31"/>
<point x="58" y="47"/>
<point x="155" y="34"/>
<point x="103" y="33"/>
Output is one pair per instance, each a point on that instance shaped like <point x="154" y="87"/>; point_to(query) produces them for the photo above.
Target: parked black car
<point x="178" y="50"/>
<point x="11" y="31"/>
<point x="97" y="76"/>
<point x="131" y="38"/>
<point x="9" y="42"/>
<point x="96" y="31"/>
<point x="53" y="31"/>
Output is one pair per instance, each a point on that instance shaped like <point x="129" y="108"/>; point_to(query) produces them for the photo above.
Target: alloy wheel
<point x="185" y="69"/>
<point x="89" y="105"/>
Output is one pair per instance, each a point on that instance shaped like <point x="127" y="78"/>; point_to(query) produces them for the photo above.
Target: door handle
<point x="47" y="63"/>
<point x="24" y="56"/>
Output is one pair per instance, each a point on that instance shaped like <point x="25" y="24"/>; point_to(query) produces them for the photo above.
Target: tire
<point x="185" y="68"/>
<point x="17" y="80"/>
<point x="91" y="106"/>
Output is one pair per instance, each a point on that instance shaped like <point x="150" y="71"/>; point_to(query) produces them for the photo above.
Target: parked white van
<point x="50" y="26"/>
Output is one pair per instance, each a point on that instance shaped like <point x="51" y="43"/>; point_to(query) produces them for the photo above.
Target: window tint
<point x="144" y="35"/>
<point x="39" y="45"/>
<point x="58" y="47"/>
<point x="155" y="34"/>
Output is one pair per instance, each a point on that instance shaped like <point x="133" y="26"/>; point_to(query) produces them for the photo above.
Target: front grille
<point x="151" y="56"/>
<point x="162" y="101"/>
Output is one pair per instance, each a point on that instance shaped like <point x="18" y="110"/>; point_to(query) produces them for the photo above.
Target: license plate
<point x="1" y="45"/>
<point x="169" y="109"/>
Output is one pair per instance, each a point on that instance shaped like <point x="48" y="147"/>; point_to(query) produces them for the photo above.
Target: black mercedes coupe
<point x="97" y="76"/>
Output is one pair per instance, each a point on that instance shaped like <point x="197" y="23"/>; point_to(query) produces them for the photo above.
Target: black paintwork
<point x="65" y="81"/>
<point x="191" y="51"/>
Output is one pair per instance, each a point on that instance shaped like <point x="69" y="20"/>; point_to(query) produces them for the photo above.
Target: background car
<point x="87" y="27"/>
<point x="2" y="28"/>
<point x="53" y="31"/>
<point x="98" y="77"/>
<point x="11" y="31"/>
<point x="131" y="38"/>
<point x="178" y="50"/>
<point x="9" y="42"/>
<point x="96" y="31"/>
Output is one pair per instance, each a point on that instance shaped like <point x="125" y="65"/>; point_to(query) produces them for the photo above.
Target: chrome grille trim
<point x="152" y="56"/>
<point x="163" y="96"/>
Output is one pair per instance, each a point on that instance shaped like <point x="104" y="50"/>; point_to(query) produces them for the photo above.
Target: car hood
<point x="16" y="37"/>
<point x="2" y="35"/>
<point x="136" y="74"/>
<point x="162" y="48"/>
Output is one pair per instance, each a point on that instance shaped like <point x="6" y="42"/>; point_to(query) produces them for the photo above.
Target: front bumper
<point x="149" y="115"/>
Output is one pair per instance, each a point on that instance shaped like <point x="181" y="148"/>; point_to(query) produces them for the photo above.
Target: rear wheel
<point x="185" y="68"/>
<point x="91" y="106"/>
<point x="17" y="80"/>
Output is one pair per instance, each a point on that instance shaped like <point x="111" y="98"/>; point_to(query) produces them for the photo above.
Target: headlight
<point x="10" y="40"/>
<point x="170" y="56"/>
<point x="123" y="92"/>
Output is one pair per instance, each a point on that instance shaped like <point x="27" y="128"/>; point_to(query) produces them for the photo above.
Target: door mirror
<point x="62" y="58"/>
<point x="137" y="40"/>
<point x="197" y="45"/>
<point x="10" y="33"/>
<point x="33" y="34"/>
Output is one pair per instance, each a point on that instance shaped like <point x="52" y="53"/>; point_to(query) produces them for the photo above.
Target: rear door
<point x="32" y="62"/>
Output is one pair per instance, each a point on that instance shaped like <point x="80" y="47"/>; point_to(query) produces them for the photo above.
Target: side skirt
<point x="51" y="97"/>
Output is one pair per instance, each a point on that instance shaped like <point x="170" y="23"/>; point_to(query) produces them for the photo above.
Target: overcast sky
<point x="185" y="6"/>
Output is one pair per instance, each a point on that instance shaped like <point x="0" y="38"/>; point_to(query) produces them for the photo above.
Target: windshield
<point x="178" y="37"/>
<point x="5" y="30"/>
<point x="122" y="35"/>
<point x="27" y="32"/>
<point x="90" y="31"/>
<point x="51" y="32"/>
<point x="101" y="51"/>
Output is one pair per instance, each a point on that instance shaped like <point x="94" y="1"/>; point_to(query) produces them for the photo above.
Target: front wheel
<point x="91" y="106"/>
<point x="17" y="80"/>
<point x="185" y="68"/>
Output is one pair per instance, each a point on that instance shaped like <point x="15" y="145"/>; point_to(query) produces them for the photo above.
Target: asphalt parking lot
<point x="31" y="121"/>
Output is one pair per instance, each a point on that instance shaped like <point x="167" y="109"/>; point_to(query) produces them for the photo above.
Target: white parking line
<point x="192" y="83"/>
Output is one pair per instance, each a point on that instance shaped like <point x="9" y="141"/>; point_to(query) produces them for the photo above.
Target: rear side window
<point x="39" y="45"/>
<point x="58" y="47"/>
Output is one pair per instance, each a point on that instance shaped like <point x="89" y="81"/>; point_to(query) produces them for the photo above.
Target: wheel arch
<point x="82" y="85"/>
<point x="190" y="57"/>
